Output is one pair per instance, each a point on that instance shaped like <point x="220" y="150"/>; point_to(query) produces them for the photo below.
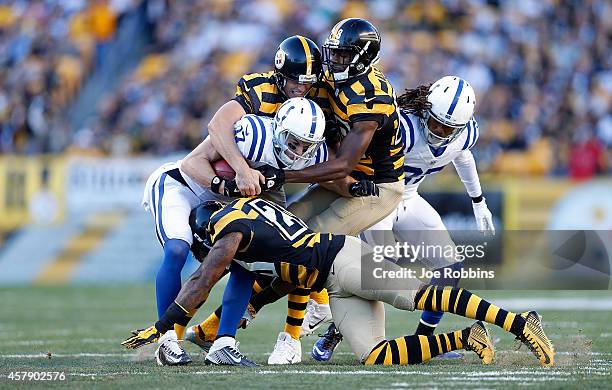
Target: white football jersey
<point x="253" y="136"/>
<point x="420" y="159"/>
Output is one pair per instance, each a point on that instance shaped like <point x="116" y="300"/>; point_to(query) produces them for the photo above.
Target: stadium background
<point x="94" y="95"/>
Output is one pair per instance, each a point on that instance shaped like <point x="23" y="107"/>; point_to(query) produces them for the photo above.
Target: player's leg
<point x="418" y="222"/>
<point x="224" y="350"/>
<point x="527" y="326"/>
<point x="362" y="322"/>
<point x="353" y="215"/>
<point x="288" y="349"/>
<point x="170" y="205"/>
<point x="345" y="216"/>
<point x="204" y="334"/>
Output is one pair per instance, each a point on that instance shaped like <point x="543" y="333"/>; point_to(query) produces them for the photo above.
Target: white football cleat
<point x="287" y="350"/>
<point x="225" y="352"/>
<point x="316" y="315"/>
<point x="170" y="352"/>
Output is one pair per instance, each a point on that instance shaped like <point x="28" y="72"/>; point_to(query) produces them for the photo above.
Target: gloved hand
<point x="143" y="337"/>
<point x="275" y="177"/>
<point x="484" y="218"/>
<point x="364" y="187"/>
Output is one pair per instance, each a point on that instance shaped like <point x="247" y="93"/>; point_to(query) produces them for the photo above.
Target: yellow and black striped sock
<point x="296" y="309"/>
<point x="320" y="297"/>
<point x="416" y="349"/>
<point x="207" y="330"/>
<point x="464" y="303"/>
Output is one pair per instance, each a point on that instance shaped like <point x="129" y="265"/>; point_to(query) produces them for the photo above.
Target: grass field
<point x="77" y="330"/>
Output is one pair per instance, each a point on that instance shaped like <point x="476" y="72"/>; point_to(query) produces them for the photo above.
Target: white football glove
<point x="484" y="218"/>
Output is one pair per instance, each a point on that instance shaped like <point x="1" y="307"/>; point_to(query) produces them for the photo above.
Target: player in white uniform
<point x="293" y="139"/>
<point x="438" y="126"/>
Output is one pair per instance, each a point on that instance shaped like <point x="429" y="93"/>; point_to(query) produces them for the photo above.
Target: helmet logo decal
<point x="279" y="59"/>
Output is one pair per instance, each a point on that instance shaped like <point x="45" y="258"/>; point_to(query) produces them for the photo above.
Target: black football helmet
<point x="351" y="48"/>
<point x="299" y="59"/>
<point x="198" y="221"/>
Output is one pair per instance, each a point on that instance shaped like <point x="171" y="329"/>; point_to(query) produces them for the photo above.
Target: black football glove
<point x="364" y="188"/>
<point x="231" y="189"/>
<point x="275" y="177"/>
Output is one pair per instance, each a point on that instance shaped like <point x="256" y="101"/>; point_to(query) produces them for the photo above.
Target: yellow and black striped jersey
<point x="370" y="97"/>
<point x="277" y="242"/>
<point x="258" y="94"/>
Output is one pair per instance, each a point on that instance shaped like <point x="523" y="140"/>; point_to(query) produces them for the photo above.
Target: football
<point x="223" y="170"/>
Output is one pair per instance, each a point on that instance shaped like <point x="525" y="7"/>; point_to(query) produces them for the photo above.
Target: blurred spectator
<point x="103" y="24"/>
<point x="46" y="51"/>
<point x="587" y="157"/>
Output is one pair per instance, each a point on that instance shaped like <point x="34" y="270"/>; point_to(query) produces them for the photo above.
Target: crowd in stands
<point x="542" y="70"/>
<point x="47" y="49"/>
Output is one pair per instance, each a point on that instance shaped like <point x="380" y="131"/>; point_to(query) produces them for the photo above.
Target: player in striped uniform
<point x="362" y="108"/>
<point x="254" y="235"/>
<point x="439" y="128"/>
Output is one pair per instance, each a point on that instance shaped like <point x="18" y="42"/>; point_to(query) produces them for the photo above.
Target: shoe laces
<point x="235" y="351"/>
<point x="331" y="338"/>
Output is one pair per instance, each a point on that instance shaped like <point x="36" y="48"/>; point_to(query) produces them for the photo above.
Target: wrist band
<point x="215" y="184"/>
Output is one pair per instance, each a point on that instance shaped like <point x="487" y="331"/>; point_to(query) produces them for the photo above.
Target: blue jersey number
<point x="239" y="134"/>
<point x="415" y="175"/>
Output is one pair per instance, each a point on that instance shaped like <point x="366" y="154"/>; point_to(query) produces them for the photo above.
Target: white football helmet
<point x="452" y="104"/>
<point x="299" y="125"/>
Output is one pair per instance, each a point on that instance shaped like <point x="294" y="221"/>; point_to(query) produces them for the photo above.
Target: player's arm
<point x="198" y="286"/>
<point x="351" y="149"/>
<point x="351" y="188"/>
<point x="197" y="164"/>
<point x="465" y="165"/>
<point x="193" y="293"/>
<point x="221" y="131"/>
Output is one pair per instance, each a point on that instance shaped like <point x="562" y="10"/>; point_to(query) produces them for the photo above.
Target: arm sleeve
<point x="233" y="227"/>
<point x="247" y="97"/>
<point x="321" y="155"/>
<point x="466" y="169"/>
<point x="250" y="136"/>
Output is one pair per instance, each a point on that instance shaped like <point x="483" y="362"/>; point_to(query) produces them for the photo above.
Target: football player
<point x="437" y="121"/>
<point x="248" y="230"/>
<point x="297" y="67"/>
<point x="292" y="140"/>
<point x="363" y="110"/>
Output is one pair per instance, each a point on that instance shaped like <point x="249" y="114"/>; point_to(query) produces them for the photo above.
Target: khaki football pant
<point x="326" y="211"/>
<point x="359" y="314"/>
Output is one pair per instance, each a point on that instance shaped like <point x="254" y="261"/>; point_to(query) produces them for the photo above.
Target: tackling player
<point x="246" y="231"/>
<point x="362" y="107"/>
<point x="292" y="140"/>
<point x="437" y="121"/>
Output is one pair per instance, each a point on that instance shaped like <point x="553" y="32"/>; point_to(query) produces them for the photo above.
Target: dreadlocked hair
<point x="415" y="100"/>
